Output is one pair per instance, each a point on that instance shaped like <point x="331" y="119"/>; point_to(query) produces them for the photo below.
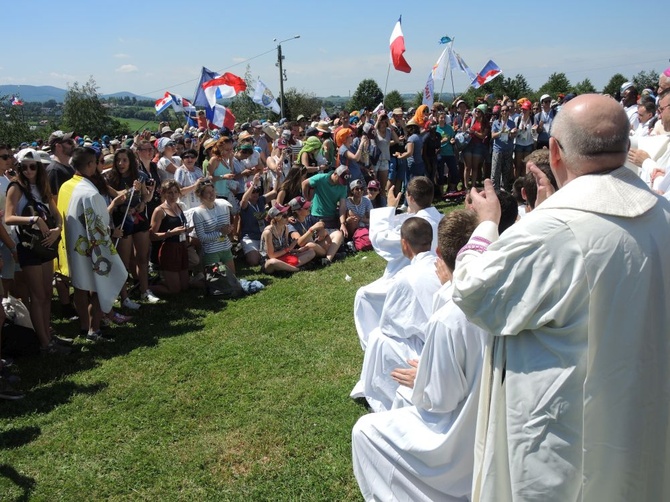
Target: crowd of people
<point x="497" y="366"/>
<point x="523" y="355"/>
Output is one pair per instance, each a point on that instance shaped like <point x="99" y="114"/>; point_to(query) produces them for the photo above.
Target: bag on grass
<point x="361" y="239"/>
<point x="221" y="281"/>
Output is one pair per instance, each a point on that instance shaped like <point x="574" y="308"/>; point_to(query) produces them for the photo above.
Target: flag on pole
<point x="378" y="108"/>
<point x="16" y="101"/>
<point x="263" y="96"/>
<point x="324" y="115"/>
<point x="439" y="71"/>
<point x="220" y="116"/>
<point x="456" y="61"/>
<point x="199" y="99"/>
<point x="225" y="86"/>
<point x="488" y="73"/>
<point x="397" y="43"/>
<point x="180" y="104"/>
<point x="428" y="92"/>
<point x="163" y="103"/>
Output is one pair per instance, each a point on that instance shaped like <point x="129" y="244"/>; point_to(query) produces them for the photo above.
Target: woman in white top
<point x="168" y="162"/>
<point x="384" y="137"/>
<point x="523" y="142"/>
<point x="187" y="175"/>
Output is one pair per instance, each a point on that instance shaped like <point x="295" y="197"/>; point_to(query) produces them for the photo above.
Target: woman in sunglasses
<point x="168" y="161"/>
<point x="187" y="175"/>
<point x="32" y="179"/>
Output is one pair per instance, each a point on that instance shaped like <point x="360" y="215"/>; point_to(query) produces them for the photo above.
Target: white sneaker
<point x="149" y="297"/>
<point x="129" y="304"/>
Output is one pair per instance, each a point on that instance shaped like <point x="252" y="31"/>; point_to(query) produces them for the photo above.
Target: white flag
<point x="263" y="96"/>
<point x="428" y="92"/>
<point x="456" y="61"/>
<point x="440" y="68"/>
<point x="324" y="115"/>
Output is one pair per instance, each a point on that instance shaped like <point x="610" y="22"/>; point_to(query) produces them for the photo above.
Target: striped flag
<point x="225" y="86"/>
<point x="163" y="103"/>
<point x="220" y="116"/>
<point x="397" y="44"/>
<point x="488" y="73"/>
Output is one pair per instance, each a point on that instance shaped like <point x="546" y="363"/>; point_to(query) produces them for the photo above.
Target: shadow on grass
<point x="25" y="483"/>
<point x="47" y="398"/>
<point x="15" y="438"/>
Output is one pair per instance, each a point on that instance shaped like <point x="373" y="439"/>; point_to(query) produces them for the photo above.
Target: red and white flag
<point x="163" y="103"/>
<point x="398" y="48"/>
<point x="219" y="116"/>
<point x="16" y="101"/>
<point x="225" y="86"/>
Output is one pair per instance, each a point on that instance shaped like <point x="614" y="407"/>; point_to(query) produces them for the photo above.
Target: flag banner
<point x="324" y="115"/>
<point x="164" y="103"/>
<point x="200" y="99"/>
<point x="439" y="71"/>
<point x="488" y="73"/>
<point x="397" y="44"/>
<point x="225" y="86"/>
<point x="428" y="92"/>
<point x="263" y="96"/>
<point x="219" y="116"/>
<point x="16" y="101"/>
<point x="378" y="108"/>
<point x="456" y="61"/>
<point x="180" y="104"/>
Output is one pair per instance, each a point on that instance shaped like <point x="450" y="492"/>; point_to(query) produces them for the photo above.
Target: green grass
<point x="199" y="399"/>
<point x="136" y="125"/>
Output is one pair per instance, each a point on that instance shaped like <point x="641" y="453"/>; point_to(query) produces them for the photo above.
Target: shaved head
<point x="591" y="135"/>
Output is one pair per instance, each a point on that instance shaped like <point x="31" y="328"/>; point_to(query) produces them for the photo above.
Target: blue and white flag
<point x="263" y="96"/>
<point x="456" y="61"/>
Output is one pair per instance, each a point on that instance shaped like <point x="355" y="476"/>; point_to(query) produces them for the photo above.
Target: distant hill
<point x="42" y="93"/>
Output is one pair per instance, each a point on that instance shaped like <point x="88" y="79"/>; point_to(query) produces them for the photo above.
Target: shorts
<point x="382" y="165"/>
<point x="173" y="256"/>
<point x="8" y="263"/>
<point x="397" y="169"/>
<point x="476" y="149"/>
<point x="223" y="256"/>
<point x="249" y="245"/>
<point x="523" y="150"/>
<point x="27" y="258"/>
<point x="290" y="259"/>
<point x="134" y="224"/>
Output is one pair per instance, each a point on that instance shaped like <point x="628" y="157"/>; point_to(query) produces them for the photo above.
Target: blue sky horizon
<point x="149" y="48"/>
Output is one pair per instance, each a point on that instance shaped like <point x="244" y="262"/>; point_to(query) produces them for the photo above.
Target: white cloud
<point x="121" y="55"/>
<point x="127" y="68"/>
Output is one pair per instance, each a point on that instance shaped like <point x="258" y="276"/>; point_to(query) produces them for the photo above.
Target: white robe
<point x="385" y="237"/>
<point x="575" y="404"/>
<point x="87" y="254"/>
<point x="401" y="332"/>
<point x="425" y="451"/>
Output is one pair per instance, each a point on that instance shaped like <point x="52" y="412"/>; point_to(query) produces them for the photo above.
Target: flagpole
<point x="451" y="70"/>
<point x="386" y="84"/>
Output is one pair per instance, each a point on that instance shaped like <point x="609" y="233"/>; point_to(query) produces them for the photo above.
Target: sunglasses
<point x="6" y="156"/>
<point x="373" y="189"/>
<point x="357" y="189"/>
<point x="32" y="167"/>
<point x="188" y="157"/>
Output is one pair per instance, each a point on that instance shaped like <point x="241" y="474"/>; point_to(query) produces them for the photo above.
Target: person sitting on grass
<point x="306" y="229"/>
<point x="211" y="220"/>
<point x="252" y="219"/>
<point x="278" y="252"/>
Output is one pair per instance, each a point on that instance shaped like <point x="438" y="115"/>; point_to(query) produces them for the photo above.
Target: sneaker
<point x="117" y="318"/>
<point x="54" y="349"/>
<point x="96" y="336"/>
<point x="61" y="340"/>
<point x="67" y="311"/>
<point x="149" y="297"/>
<point x="8" y="392"/>
<point x="325" y="262"/>
<point x="129" y="304"/>
<point x="339" y="256"/>
<point x="351" y="248"/>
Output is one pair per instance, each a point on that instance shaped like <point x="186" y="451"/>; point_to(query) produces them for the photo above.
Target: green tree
<point x="367" y="94"/>
<point x="393" y="100"/>
<point x="645" y="80"/>
<point x="613" y="86"/>
<point x="584" y="87"/>
<point x="556" y="84"/>
<point x="14" y="129"/>
<point x="84" y="113"/>
<point x="301" y="103"/>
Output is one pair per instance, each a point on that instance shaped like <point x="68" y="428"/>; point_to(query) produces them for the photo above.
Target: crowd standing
<point x="497" y="366"/>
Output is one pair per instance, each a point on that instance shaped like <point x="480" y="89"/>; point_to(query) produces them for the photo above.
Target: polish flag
<point x="163" y="103"/>
<point x="398" y="48"/>
<point x="219" y="116"/>
<point x="225" y="86"/>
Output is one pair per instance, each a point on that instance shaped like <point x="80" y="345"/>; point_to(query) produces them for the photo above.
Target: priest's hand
<point x="485" y="203"/>
<point x="406" y="376"/>
<point x="544" y="187"/>
<point x="442" y="271"/>
<point x="637" y="156"/>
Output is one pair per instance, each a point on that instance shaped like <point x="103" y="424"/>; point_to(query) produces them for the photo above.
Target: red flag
<point x="225" y="86"/>
<point x="398" y="49"/>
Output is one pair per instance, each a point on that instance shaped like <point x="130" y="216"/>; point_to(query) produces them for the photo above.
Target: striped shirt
<point x="207" y="223"/>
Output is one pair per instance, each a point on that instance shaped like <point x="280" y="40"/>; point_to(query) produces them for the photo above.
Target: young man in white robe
<point x="425" y="451"/>
<point x="407" y="307"/>
<point x="574" y="402"/>
<point x="87" y="254"/>
<point x="385" y="237"/>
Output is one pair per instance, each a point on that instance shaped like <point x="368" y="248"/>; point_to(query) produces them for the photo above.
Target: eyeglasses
<point x="6" y="156"/>
<point x="357" y="189"/>
<point x="32" y="167"/>
<point x="192" y="157"/>
<point x="171" y="145"/>
<point x="373" y="189"/>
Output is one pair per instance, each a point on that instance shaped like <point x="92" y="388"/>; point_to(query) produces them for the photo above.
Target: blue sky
<point x="150" y="47"/>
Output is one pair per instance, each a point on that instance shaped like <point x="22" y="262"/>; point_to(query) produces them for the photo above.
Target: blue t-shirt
<point x="415" y="161"/>
<point x="253" y="219"/>
<point x="503" y="143"/>
<point x="354" y="169"/>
